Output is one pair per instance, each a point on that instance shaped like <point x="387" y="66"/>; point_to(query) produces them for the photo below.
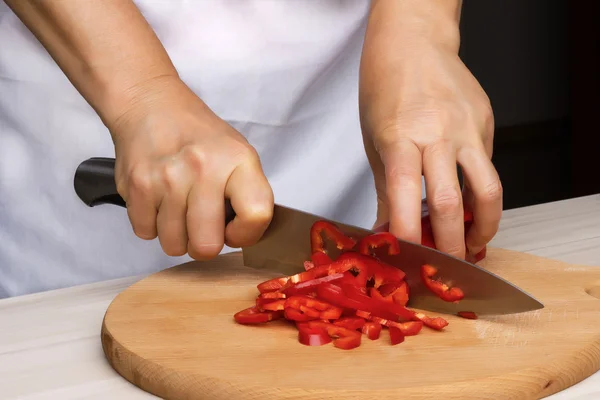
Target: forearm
<point x="399" y="40"/>
<point x="105" y="47"/>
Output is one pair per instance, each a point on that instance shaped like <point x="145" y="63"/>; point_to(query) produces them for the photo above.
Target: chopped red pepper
<point x="377" y="306"/>
<point x="467" y="314"/>
<point x="372" y="330"/>
<point x="253" y="315"/>
<point x="332" y="232"/>
<point x="439" y="288"/>
<point x="319" y="258"/>
<point x="352" y="323"/>
<point x="437" y="323"/>
<point x="309" y="286"/>
<point x="272" y="284"/>
<point x="396" y="336"/>
<point x="313" y="307"/>
<point x="411" y="328"/>
<point x="377" y="240"/>
<point x="344" y="338"/>
<point x="338" y="300"/>
<point x="270" y="304"/>
<point x="308" y="265"/>
<point x="313" y="336"/>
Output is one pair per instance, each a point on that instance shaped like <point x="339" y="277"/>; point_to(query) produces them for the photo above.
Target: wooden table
<point x="50" y="347"/>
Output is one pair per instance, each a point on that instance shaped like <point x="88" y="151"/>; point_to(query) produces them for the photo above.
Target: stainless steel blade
<point x="286" y="245"/>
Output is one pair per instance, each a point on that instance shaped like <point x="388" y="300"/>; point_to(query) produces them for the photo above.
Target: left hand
<point x="423" y="115"/>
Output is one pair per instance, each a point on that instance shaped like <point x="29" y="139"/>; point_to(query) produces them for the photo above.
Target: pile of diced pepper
<point x="341" y="299"/>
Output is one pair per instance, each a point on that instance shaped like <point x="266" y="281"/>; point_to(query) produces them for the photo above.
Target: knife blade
<point x="285" y="246"/>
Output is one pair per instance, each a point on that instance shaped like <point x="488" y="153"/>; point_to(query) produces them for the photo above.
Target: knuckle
<point x="170" y="175"/>
<point x="492" y="192"/>
<point x="195" y="157"/>
<point x="140" y="179"/>
<point x="447" y="200"/>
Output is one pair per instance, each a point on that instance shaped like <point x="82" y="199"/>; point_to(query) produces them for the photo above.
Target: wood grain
<point x="172" y="334"/>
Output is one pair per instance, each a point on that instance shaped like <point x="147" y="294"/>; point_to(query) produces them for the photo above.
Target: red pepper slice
<point x="307" y="304"/>
<point x="270" y="304"/>
<point x="411" y="328"/>
<point x="376" y="306"/>
<point x="367" y="268"/>
<point x="352" y="323"/>
<point x="272" y="284"/>
<point x="320" y="228"/>
<point x="467" y="314"/>
<point x="308" y="265"/>
<point x="440" y="289"/>
<point x="296" y="315"/>
<point x="372" y="330"/>
<point x="253" y="315"/>
<point x="272" y="295"/>
<point x="313" y="336"/>
<point x="437" y="323"/>
<point x="335" y="295"/>
<point x="377" y="240"/>
<point x="396" y="336"/>
<point x="319" y="258"/>
<point x="307" y="287"/>
<point x="344" y="338"/>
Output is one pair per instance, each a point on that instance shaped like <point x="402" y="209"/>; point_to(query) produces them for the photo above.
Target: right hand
<point x="176" y="163"/>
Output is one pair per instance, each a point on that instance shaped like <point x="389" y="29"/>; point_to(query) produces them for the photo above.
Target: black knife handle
<point x="95" y="184"/>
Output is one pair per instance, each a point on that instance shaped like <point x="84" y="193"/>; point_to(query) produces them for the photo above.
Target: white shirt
<point x="283" y="73"/>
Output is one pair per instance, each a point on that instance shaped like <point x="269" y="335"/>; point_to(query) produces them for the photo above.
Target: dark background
<point x="536" y="61"/>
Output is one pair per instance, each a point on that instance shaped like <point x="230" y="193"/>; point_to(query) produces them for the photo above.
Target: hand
<point x="423" y="115"/>
<point x="176" y="162"/>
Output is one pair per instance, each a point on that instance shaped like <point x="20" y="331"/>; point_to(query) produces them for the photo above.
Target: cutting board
<point x="173" y="334"/>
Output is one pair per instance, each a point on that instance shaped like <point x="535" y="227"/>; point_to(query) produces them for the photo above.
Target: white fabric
<point x="284" y="73"/>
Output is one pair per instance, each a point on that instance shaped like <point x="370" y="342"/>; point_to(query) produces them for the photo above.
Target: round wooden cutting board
<point x="173" y="335"/>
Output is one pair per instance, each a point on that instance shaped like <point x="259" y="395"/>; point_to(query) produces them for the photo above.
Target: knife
<point x="285" y="246"/>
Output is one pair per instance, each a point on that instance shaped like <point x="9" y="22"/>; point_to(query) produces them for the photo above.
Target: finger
<point x="252" y="199"/>
<point x="205" y="217"/>
<point x="486" y="189"/>
<point x="402" y="160"/>
<point x="171" y="219"/>
<point x="143" y="195"/>
<point x="444" y="198"/>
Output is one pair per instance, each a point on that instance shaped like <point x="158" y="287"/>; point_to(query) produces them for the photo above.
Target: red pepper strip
<point x="253" y="315"/>
<point x="344" y="338"/>
<point x="377" y="240"/>
<point x="270" y="304"/>
<point x="401" y="294"/>
<point x="467" y="314"/>
<point x="306" y="304"/>
<point x="272" y="295"/>
<point x="313" y="336"/>
<point x="439" y="288"/>
<point x="296" y="315"/>
<point x="317" y="243"/>
<point x="367" y="268"/>
<point x="308" y="265"/>
<point x="411" y="328"/>
<point x="374" y="305"/>
<point x="309" y="286"/>
<point x="437" y="323"/>
<point x="389" y="288"/>
<point x="319" y="258"/>
<point x="352" y="323"/>
<point x="396" y="336"/>
<point x="272" y="284"/>
<point x="335" y="295"/>
<point x="372" y="330"/>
